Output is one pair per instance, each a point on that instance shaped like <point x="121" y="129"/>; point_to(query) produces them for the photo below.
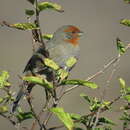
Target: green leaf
<point x="62" y="74"/>
<point x="71" y="62"/>
<point x="128" y="89"/>
<point x="105" y="120"/>
<point x="64" y="117"/>
<point x="95" y="104"/>
<point x="122" y="83"/>
<point x="29" y="12"/>
<point x="125" y="22"/>
<point x="125" y="116"/>
<point x="38" y="80"/>
<point x="80" y="82"/>
<point x="24" y="26"/>
<point x="3" y="79"/>
<point x="19" y="110"/>
<point x="127" y="97"/>
<point x="76" y="117"/>
<point x="50" y="63"/>
<point x="47" y="36"/>
<point x="122" y="86"/>
<point x="3" y="109"/>
<point x="24" y="116"/>
<point x="31" y="1"/>
<point x="127" y="1"/>
<point x="49" y="5"/>
<point x="87" y="98"/>
<point x="106" y="104"/>
<point x="1" y="100"/>
<point x="120" y="46"/>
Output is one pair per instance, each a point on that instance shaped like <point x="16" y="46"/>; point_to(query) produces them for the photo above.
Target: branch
<point x="37" y="21"/>
<point x="105" y="67"/>
<point x="35" y="115"/>
<point x="8" y="118"/>
<point x="90" y="114"/>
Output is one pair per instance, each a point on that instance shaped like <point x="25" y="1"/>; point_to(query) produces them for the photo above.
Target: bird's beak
<point x="80" y="33"/>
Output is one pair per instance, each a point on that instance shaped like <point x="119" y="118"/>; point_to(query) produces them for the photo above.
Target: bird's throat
<point x="73" y="41"/>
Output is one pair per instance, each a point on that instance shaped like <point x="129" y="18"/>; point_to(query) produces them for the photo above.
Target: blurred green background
<point x="99" y="20"/>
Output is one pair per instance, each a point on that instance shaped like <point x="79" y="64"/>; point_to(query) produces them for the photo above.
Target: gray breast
<point x="62" y="52"/>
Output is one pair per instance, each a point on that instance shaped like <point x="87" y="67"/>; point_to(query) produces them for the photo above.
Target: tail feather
<point x="20" y="94"/>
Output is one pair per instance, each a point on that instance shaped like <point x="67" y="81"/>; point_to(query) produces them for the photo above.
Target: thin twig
<point x="48" y="117"/>
<point x="108" y="82"/>
<point x="35" y="115"/>
<point x="105" y="67"/>
<point x="41" y="113"/>
<point x="104" y="92"/>
<point x="39" y="30"/>
<point x="8" y="118"/>
<point x="103" y="109"/>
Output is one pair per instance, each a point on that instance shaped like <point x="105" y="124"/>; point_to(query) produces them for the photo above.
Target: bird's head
<point x="69" y="34"/>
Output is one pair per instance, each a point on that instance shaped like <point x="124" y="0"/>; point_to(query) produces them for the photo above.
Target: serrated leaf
<point x="49" y="5"/>
<point x="24" y="26"/>
<point x="29" y="12"/>
<point x="105" y="120"/>
<point x="31" y="1"/>
<point x="64" y="117"/>
<point x="24" y="116"/>
<point x="80" y="82"/>
<point x="120" y="46"/>
<point x="50" y="63"/>
<point x="125" y="22"/>
<point x="85" y="97"/>
<point x="3" y="109"/>
<point x="38" y="80"/>
<point x="3" y="79"/>
<point x="71" y="62"/>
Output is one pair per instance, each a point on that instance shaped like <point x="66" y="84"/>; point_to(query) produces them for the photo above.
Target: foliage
<point x="92" y="120"/>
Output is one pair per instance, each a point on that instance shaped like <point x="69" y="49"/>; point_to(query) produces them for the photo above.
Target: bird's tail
<point x="20" y="94"/>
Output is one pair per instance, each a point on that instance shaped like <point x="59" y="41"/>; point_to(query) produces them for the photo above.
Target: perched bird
<point x="61" y="47"/>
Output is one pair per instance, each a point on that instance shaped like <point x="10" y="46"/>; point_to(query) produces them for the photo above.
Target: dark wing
<point x="36" y="61"/>
<point x="34" y="64"/>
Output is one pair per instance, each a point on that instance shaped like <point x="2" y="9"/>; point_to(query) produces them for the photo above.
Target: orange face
<point x="74" y="34"/>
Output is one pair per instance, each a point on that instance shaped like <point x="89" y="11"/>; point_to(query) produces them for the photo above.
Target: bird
<point x="63" y="45"/>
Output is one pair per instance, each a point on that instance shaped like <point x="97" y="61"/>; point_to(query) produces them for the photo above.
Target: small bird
<point x="63" y="45"/>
